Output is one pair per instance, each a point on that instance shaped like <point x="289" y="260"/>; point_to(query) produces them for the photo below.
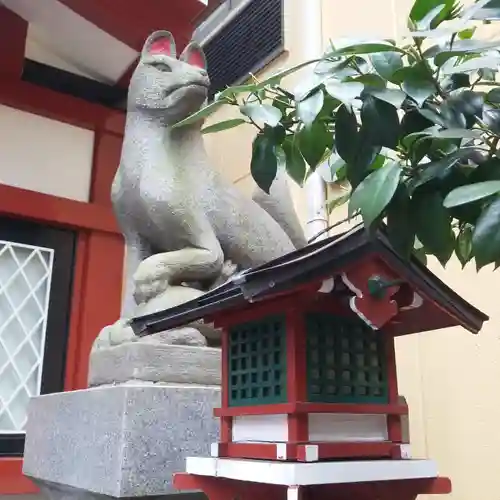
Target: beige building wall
<point x="450" y="377"/>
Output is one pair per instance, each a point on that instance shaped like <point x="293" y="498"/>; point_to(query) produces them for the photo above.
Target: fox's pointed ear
<point x="160" y="42"/>
<point x="194" y="54"/>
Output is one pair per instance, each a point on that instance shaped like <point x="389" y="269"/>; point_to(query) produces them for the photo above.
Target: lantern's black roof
<point x="315" y="261"/>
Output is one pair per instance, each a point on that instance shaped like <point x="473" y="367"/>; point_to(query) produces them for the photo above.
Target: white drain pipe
<point x="311" y="16"/>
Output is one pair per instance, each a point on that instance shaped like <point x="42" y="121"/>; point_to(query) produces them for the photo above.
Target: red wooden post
<point x="298" y="427"/>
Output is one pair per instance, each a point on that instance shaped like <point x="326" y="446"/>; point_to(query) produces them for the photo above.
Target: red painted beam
<point x="61" y="107"/>
<point x="13" y="31"/>
<point x="48" y="209"/>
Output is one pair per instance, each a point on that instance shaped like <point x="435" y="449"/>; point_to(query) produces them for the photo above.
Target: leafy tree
<point x="412" y="130"/>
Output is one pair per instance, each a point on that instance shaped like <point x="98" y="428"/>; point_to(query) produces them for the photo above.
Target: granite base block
<point x="154" y="362"/>
<point x="120" y="441"/>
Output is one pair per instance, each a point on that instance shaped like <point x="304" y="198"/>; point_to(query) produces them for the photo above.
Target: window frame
<point x="63" y="242"/>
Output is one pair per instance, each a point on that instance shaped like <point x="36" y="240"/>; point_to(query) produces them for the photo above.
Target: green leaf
<point x="491" y="117"/>
<point x="199" y="115"/>
<point x="400" y="231"/>
<point x="313" y="141"/>
<point x="346" y="131"/>
<point x="472" y="192"/>
<point x="345" y="92"/>
<point x="463" y="248"/>
<point x="431" y="170"/>
<point x="414" y="121"/>
<point x="264" y="165"/>
<point x="337" y="200"/>
<point x="481" y="9"/>
<point x="330" y="169"/>
<point x="455" y="81"/>
<point x="456" y="133"/>
<point x="426" y="21"/>
<point x="277" y="77"/>
<point x="463" y="47"/>
<point x="486" y="236"/>
<point x="366" y="157"/>
<point x="421" y="9"/>
<point x="433" y="224"/>
<point x="375" y="192"/>
<point x="308" y="85"/>
<point x="432" y="116"/>
<point x="466" y="101"/>
<point x="493" y="96"/>
<point x="225" y="125"/>
<point x="262" y="113"/>
<point x="309" y="108"/>
<point x="354" y="147"/>
<point x="416" y="83"/>
<point x="365" y="48"/>
<point x="419" y="253"/>
<point x="371" y="81"/>
<point x="381" y="122"/>
<point x="237" y="89"/>
<point x="295" y="163"/>
<point x="452" y="116"/>
<point x="392" y="96"/>
<point x="486" y="62"/>
<point x="488" y="75"/>
<point x="386" y="64"/>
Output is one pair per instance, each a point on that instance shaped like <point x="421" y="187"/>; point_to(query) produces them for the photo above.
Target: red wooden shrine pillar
<point x="98" y="261"/>
<point x="394" y="425"/>
<point x="226" y="422"/>
<point x="296" y="338"/>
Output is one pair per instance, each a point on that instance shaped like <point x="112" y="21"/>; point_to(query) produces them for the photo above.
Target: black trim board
<point x="65" y="82"/>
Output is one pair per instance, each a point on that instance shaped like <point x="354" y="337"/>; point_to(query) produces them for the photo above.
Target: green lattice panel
<point x="346" y="361"/>
<point x="257" y="362"/>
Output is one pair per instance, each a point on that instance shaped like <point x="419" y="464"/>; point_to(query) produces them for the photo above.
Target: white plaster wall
<point x="45" y="155"/>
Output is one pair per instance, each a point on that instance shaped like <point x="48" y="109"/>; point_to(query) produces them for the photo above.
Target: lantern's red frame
<point x="295" y="305"/>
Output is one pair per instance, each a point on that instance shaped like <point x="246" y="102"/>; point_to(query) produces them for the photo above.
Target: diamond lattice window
<point x="25" y="276"/>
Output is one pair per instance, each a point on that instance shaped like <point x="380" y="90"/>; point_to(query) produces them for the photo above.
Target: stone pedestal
<point x="155" y="362"/>
<point x="125" y="440"/>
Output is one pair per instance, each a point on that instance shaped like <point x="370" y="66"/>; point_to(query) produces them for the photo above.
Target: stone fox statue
<point x="181" y="220"/>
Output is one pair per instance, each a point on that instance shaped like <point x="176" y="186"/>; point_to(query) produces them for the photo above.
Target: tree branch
<point x="333" y="226"/>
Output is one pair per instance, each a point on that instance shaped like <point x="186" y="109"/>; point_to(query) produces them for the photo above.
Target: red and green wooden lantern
<point x="308" y="361"/>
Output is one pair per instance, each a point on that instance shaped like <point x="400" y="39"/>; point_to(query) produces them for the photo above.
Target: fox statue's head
<point x="166" y="85"/>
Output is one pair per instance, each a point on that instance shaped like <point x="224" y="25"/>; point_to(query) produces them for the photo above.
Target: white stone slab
<point x="306" y="474"/>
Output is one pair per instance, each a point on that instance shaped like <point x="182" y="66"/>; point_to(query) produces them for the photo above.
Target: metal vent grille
<point x="246" y="44"/>
<point x="346" y="361"/>
<point x="257" y="362"/>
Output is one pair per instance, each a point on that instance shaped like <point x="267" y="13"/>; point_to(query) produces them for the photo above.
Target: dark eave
<point x="313" y="262"/>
